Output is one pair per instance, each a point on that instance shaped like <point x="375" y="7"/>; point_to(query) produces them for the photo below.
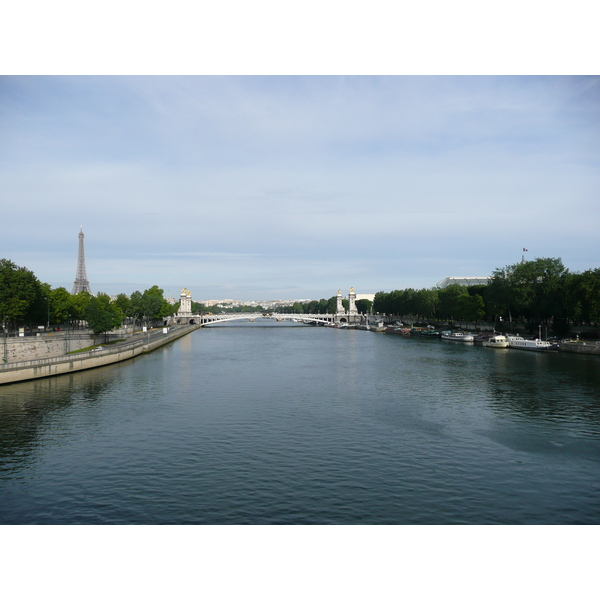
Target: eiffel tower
<point x="81" y="283"/>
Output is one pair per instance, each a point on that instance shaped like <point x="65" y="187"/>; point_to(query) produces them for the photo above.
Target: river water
<point x="260" y="423"/>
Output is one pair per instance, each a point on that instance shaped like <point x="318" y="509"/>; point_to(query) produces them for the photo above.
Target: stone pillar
<point x="340" y="307"/>
<point x="352" y="302"/>
<point x="185" y="306"/>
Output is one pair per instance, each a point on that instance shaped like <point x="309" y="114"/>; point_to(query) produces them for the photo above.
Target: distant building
<point x="225" y="302"/>
<point x="466" y="281"/>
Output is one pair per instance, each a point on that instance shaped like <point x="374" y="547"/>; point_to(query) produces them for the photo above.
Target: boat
<point x="495" y="341"/>
<point x="398" y="330"/>
<point x="580" y="346"/>
<point x="458" y="336"/>
<point x="537" y="345"/>
<point x="425" y="332"/>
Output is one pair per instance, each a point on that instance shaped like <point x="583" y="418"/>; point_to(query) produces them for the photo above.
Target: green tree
<point x="21" y="296"/>
<point x="584" y="296"/>
<point x="79" y="304"/>
<point x="364" y="306"/>
<point x="424" y="303"/>
<point x="470" y="308"/>
<point x="297" y="308"/>
<point x="60" y="305"/>
<point x="448" y="298"/>
<point x="124" y="303"/>
<point x="102" y="315"/>
<point x="380" y="302"/>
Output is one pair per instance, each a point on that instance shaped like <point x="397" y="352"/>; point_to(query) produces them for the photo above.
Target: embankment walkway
<point x="69" y="363"/>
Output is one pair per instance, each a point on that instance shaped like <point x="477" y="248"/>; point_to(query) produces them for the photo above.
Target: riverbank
<point x="69" y="363"/>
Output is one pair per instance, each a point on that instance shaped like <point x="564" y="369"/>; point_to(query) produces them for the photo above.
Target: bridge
<point x="307" y="319"/>
<point x="341" y="316"/>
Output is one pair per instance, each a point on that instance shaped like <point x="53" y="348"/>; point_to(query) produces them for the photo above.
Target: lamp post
<point x="5" y="337"/>
<point x="67" y="334"/>
<point x="48" y="321"/>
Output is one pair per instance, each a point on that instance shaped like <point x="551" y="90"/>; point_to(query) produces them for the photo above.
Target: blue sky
<point x="292" y="187"/>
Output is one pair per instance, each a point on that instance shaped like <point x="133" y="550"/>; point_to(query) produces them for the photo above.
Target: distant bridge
<point x="341" y="316"/>
<point x="328" y="319"/>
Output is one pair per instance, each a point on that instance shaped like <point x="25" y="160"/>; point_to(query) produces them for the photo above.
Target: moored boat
<point x="495" y="341"/>
<point x="537" y="345"/>
<point x="425" y="332"/>
<point x="458" y="336"/>
<point x="398" y="330"/>
<point x="580" y="346"/>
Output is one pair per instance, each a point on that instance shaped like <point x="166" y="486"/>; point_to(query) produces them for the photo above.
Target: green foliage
<point x="583" y="296"/>
<point x="419" y="303"/>
<point x="60" y="305"/>
<point x="102" y="315"/>
<point x="124" y="304"/>
<point x="533" y="290"/>
<point x="541" y="291"/>
<point x="20" y="292"/>
<point x="470" y="308"/>
<point x="449" y="307"/>
<point x="79" y="303"/>
<point x="364" y="306"/>
<point x="149" y="305"/>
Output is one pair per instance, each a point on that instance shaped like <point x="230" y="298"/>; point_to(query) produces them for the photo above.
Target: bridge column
<point x="352" y="300"/>
<point x="339" y="307"/>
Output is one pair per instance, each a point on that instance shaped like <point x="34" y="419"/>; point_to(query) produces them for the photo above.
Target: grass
<point x="96" y="346"/>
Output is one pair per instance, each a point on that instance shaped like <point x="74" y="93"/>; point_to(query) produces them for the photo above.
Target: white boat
<point x="537" y="345"/>
<point x="496" y="341"/>
<point x="458" y="336"/>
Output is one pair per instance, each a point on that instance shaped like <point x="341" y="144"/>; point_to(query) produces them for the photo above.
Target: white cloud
<point x="287" y="183"/>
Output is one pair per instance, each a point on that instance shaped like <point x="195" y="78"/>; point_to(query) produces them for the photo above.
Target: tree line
<point x="541" y="291"/>
<point x="537" y="292"/>
<point x="26" y="301"/>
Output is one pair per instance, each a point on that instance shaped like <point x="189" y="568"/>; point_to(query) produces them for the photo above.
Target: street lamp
<point x="48" y="321"/>
<point x="67" y="334"/>
<point x="4" y="359"/>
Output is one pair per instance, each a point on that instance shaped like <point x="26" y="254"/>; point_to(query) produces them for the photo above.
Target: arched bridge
<point x="297" y="318"/>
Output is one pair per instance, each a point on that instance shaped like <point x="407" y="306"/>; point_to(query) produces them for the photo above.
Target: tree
<point x="151" y="305"/>
<point x="448" y="297"/>
<point x="20" y="292"/>
<point x="363" y="306"/>
<point x="584" y="296"/>
<point x="154" y="304"/>
<point x="102" y="315"/>
<point x="470" y="308"/>
<point x="297" y="308"/>
<point x="79" y="303"/>
<point x="60" y="305"/>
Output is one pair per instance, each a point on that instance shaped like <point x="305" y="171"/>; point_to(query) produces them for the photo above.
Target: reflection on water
<point x="274" y="423"/>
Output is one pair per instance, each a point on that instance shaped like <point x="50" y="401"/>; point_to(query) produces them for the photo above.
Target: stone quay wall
<point x="16" y="349"/>
<point x="48" y="345"/>
<point x="58" y="365"/>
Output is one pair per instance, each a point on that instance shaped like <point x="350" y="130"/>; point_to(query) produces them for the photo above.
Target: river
<point x="274" y="423"/>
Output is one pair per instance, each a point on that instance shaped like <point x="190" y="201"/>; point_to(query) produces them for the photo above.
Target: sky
<point x="285" y="187"/>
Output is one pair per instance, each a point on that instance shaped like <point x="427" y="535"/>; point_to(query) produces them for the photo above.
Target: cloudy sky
<point x="292" y="187"/>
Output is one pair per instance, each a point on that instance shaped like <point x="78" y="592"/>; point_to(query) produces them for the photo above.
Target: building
<point x="466" y="281"/>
